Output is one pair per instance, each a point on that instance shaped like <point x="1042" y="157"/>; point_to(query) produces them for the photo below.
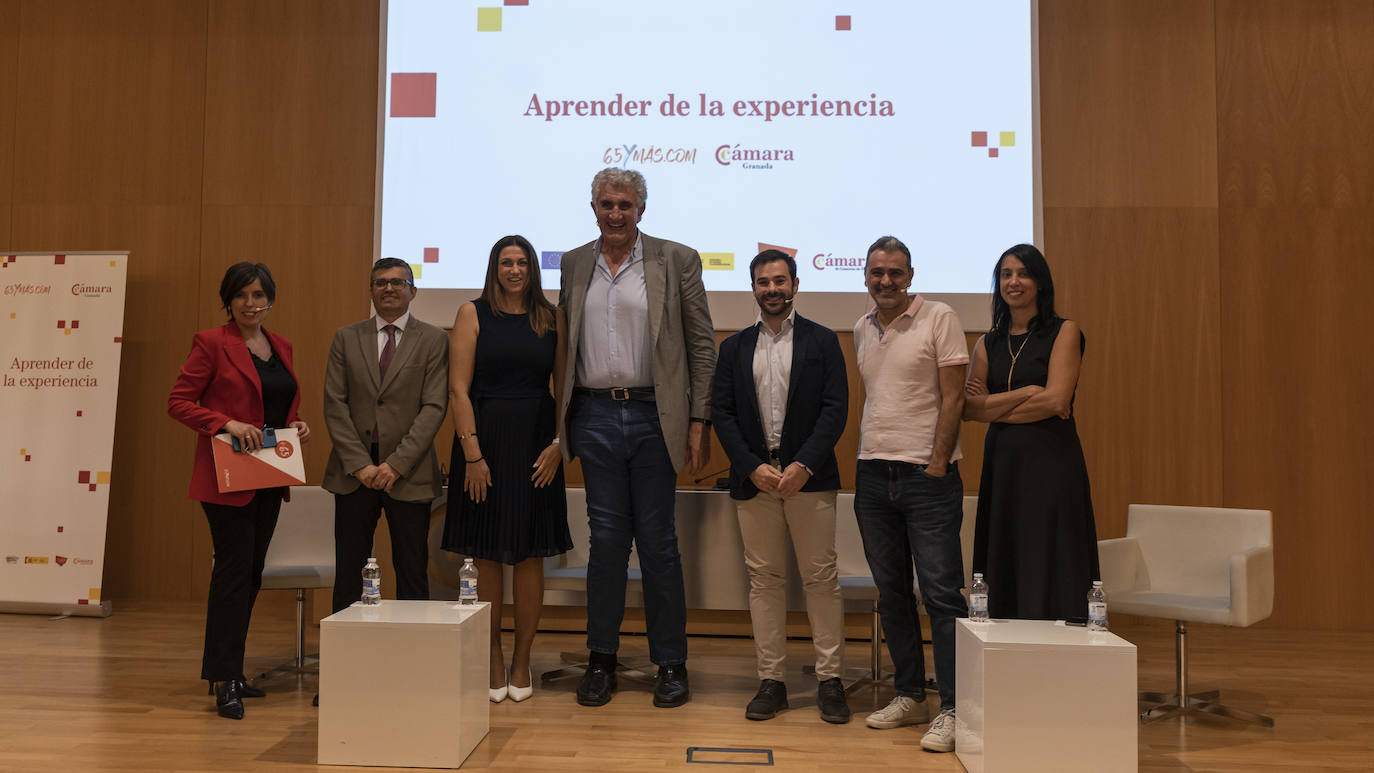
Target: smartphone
<point x="269" y="439"/>
<point x="1078" y="621"/>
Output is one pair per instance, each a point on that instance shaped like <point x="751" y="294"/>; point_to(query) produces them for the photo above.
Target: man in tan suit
<point x="385" y="396"/>
<point x="641" y="353"/>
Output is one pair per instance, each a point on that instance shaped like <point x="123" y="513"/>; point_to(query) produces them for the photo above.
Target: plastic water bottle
<point x="1097" y="607"/>
<point x="372" y="582"/>
<point x="467" y="582"/>
<point x="978" y="600"/>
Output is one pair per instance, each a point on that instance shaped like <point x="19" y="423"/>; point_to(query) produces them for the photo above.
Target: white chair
<point x="301" y="556"/>
<point x="1199" y="564"/>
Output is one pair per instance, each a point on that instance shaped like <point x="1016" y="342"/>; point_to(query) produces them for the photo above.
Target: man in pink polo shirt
<point x="908" y="497"/>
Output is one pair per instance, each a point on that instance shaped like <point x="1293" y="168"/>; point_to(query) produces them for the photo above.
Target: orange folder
<point x="280" y="465"/>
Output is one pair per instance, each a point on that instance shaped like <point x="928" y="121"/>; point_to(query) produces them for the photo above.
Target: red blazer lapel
<point x="236" y="351"/>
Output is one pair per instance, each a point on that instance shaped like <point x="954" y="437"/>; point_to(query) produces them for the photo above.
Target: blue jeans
<point x="631" y="485"/>
<point x="903" y="513"/>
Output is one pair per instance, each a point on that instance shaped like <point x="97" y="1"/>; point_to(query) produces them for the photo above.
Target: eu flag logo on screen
<point x="551" y="259"/>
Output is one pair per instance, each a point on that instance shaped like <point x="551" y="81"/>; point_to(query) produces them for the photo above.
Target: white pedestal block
<point x="1037" y="695"/>
<point x="404" y="684"/>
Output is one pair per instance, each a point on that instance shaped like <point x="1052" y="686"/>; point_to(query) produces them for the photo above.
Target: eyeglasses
<point x="397" y="283"/>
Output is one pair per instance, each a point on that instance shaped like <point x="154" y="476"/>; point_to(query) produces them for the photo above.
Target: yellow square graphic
<point x="102" y="478"/>
<point x="1007" y="139"/>
<point x="718" y="261"/>
<point x="11" y="315"/>
<point x="22" y="452"/>
<point x="112" y="264"/>
<point x="94" y="595"/>
<point x="488" y="19"/>
<point x="416" y="268"/>
<point x="66" y="331"/>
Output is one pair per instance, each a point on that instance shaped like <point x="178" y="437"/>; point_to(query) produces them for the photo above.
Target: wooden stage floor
<point x="121" y="694"/>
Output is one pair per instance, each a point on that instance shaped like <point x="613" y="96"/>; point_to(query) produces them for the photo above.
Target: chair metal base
<point x="1191" y="703"/>
<point x="297" y="666"/>
<point x="575" y="664"/>
<point x="1197" y="703"/>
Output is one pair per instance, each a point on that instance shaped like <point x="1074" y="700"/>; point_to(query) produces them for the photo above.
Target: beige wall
<point x="1209" y="210"/>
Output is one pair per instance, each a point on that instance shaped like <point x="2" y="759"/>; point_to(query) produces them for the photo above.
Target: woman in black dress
<point x="507" y="502"/>
<point x="1034" y="541"/>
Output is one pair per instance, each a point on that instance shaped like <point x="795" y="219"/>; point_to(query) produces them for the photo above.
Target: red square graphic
<point x="980" y="139"/>
<point x="76" y="323"/>
<point x="992" y="152"/>
<point x="92" y="487"/>
<point x="119" y="339"/>
<point x="84" y="476"/>
<point x="59" y="529"/>
<point x="78" y="413"/>
<point x="517" y="2"/>
<point x="61" y="323"/>
<point x="59" y="260"/>
<point x="842" y="23"/>
<point x="28" y="458"/>
<point x="83" y="601"/>
<point x="431" y="254"/>
<point x="413" y="94"/>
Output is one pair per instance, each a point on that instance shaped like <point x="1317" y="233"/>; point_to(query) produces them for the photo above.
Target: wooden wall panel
<point x="1127" y="103"/>
<point x="9" y="96"/>
<point x="108" y="157"/>
<point x="1296" y="113"/>
<point x="1295" y="88"/>
<point x="110" y="102"/>
<point x="1297" y="419"/>
<point x="1143" y="285"/>
<point x="292" y="114"/>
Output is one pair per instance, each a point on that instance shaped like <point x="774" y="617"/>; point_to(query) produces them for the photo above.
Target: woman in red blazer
<point x="237" y="379"/>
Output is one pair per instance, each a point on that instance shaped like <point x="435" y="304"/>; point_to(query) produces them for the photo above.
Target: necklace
<point x="1015" y="354"/>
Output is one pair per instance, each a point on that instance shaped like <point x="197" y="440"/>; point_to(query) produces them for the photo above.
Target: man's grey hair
<point x="620" y="178"/>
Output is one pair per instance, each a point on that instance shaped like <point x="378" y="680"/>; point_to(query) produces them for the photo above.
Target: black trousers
<point x="240" y="535"/>
<point x="355" y="521"/>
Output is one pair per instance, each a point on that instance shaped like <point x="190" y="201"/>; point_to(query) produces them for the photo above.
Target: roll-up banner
<point x="61" y="330"/>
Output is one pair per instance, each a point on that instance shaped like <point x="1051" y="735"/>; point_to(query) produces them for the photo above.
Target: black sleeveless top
<point x="511" y="362"/>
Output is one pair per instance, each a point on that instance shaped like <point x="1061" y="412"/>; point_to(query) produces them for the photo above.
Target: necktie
<point x="388" y="350"/>
<point x="384" y="362"/>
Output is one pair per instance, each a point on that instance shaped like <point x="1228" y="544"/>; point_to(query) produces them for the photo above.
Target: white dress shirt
<point x="772" y="374"/>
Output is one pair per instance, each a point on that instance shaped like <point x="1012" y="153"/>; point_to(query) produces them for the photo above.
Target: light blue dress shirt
<point x="615" y="350"/>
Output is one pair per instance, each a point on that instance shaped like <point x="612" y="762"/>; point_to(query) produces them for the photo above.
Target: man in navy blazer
<point x="779" y="401"/>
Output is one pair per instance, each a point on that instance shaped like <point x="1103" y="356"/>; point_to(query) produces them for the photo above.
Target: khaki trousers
<point x="764" y="522"/>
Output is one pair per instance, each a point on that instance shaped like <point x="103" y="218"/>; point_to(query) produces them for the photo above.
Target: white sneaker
<point x="940" y="736"/>
<point x="901" y="711"/>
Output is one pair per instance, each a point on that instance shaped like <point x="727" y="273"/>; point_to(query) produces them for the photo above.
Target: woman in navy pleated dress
<point x="506" y="501"/>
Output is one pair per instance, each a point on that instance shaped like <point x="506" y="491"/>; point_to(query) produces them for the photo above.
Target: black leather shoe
<point x="598" y="681"/>
<point x="768" y="701"/>
<point x="831" y="700"/>
<point x="672" y="690"/>
<point x="249" y="691"/>
<point x="228" y="701"/>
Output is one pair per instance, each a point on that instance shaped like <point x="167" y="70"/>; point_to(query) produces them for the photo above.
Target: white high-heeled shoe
<point x="498" y="694"/>
<point x="518" y="694"/>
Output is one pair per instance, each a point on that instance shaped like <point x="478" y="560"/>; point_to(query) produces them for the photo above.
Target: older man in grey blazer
<point x="385" y="396"/>
<point x="641" y="352"/>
